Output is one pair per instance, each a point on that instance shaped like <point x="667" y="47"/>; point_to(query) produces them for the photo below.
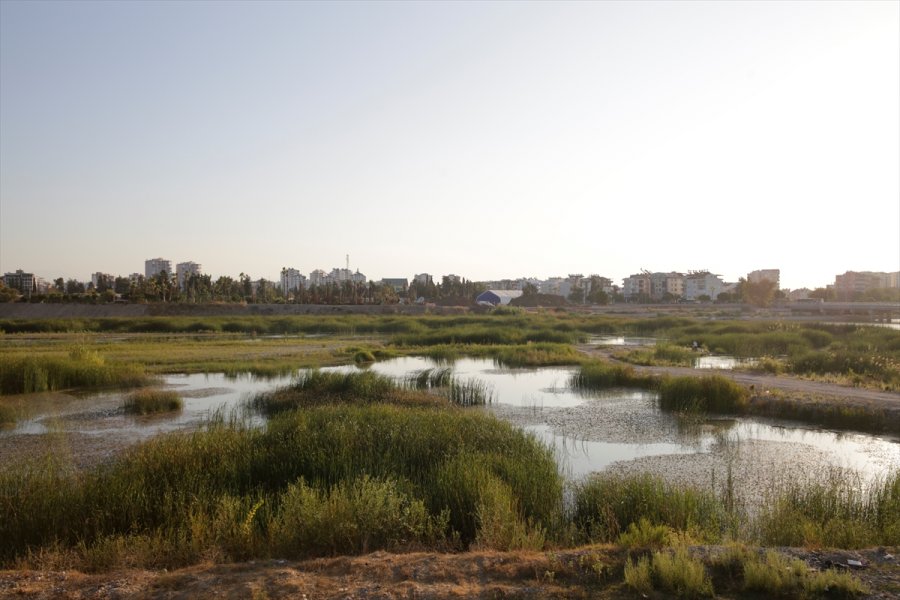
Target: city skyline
<point x="487" y="139"/>
<point x="154" y="265"/>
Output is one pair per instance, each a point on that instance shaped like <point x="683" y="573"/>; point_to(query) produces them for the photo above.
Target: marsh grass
<point x="8" y="415"/>
<point x="606" y="506"/>
<point x="662" y="354"/>
<point x="713" y="393"/>
<point x="317" y="388"/>
<point x="838" y="510"/>
<point x="540" y="354"/>
<point x="352" y="478"/>
<point x="600" y="375"/>
<point x="151" y="401"/>
<point x="80" y="367"/>
<point x="825" y="412"/>
<point x="426" y="379"/>
<point x="776" y="575"/>
<point x="675" y="573"/>
<point x="469" y="392"/>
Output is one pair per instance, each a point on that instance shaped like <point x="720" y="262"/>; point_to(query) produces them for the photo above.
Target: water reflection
<point x="590" y="431"/>
<point x="722" y="362"/>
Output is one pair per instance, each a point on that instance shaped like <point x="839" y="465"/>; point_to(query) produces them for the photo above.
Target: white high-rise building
<point x="155" y="266"/>
<point x="292" y="280"/>
<point x="182" y="270"/>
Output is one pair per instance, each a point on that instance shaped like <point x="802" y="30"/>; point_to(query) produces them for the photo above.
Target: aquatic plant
<point x="713" y="393"/>
<point x="149" y="401"/>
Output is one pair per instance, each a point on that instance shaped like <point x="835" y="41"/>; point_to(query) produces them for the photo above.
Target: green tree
<point x="757" y="293"/>
<point x="8" y="294"/>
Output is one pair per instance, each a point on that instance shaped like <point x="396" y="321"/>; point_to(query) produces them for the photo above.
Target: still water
<point x="616" y="430"/>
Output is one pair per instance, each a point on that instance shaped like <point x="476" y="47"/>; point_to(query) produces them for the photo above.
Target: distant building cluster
<point x="293" y="280"/>
<point x="645" y="286"/>
<point x="849" y="284"/>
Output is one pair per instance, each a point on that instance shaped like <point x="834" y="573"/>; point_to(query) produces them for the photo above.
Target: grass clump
<point x="601" y="375"/>
<point x="80" y="367"/>
<point x="662" y="354"/>
<point x="470" y="392"/>
<point x="150" y="401"/>
<point x="776" y="575"/>
<point x="316" y="388"/>
<point x="606" y="506"/>
<point x="713" y="393"/>
<point x="645" y="534"/>
<point x="426" y="379"/>
<point x="676" y="573"/>
<point x="8" y="416"/>
<point x="836" y="511"/>
<point x="352" y="517"/>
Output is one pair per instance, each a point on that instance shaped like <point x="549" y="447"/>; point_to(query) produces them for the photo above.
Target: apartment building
<point x="26" y="283"/>
<point x="155" y="266"/>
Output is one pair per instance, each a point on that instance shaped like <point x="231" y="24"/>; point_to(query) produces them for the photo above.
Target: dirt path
<point x="594" y="572"/>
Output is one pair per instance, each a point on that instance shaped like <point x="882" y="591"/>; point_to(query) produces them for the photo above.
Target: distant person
<point x="694" y="345"/>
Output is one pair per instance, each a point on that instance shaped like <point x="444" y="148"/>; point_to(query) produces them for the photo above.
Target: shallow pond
<point x="722" y="362"/>
<point x="614" y="430"/>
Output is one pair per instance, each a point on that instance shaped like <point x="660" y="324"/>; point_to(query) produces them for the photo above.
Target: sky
<point x="487" y="140"/>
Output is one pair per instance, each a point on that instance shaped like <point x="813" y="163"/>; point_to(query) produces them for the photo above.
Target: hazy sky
<point x="483" y="139"/>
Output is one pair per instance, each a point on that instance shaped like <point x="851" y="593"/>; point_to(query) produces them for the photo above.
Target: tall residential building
<point x="666" y="283"/>
<point x="773" y="275"/>
<point x="853" y="282"/>
<point x="292" y="280"/>
<point x="155" y="266"/>
<point x="22" y="281"/>
<point x="318" y="277"/>
<point x="702" y="283"/>
<point x="636" y="285"/>
<point x="422" y="279"/>
<point x="182" y="270"/>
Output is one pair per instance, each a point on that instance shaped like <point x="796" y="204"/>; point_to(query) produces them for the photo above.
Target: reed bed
<point x="470" y="392"/>
<point x="663" y="354"/>
<point x="538" y="354"/>
<point x="839" y="511"/>
<point x="80" y="367"/>
<point x="320" y="481"/>
<point x="605" y="506"/>
<point x="317" y="388"/>
<point x="601" y="375"/>
<point x="426" y="379"/>
<point x="151" y="401"/>
<point x="713" y="393"/>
